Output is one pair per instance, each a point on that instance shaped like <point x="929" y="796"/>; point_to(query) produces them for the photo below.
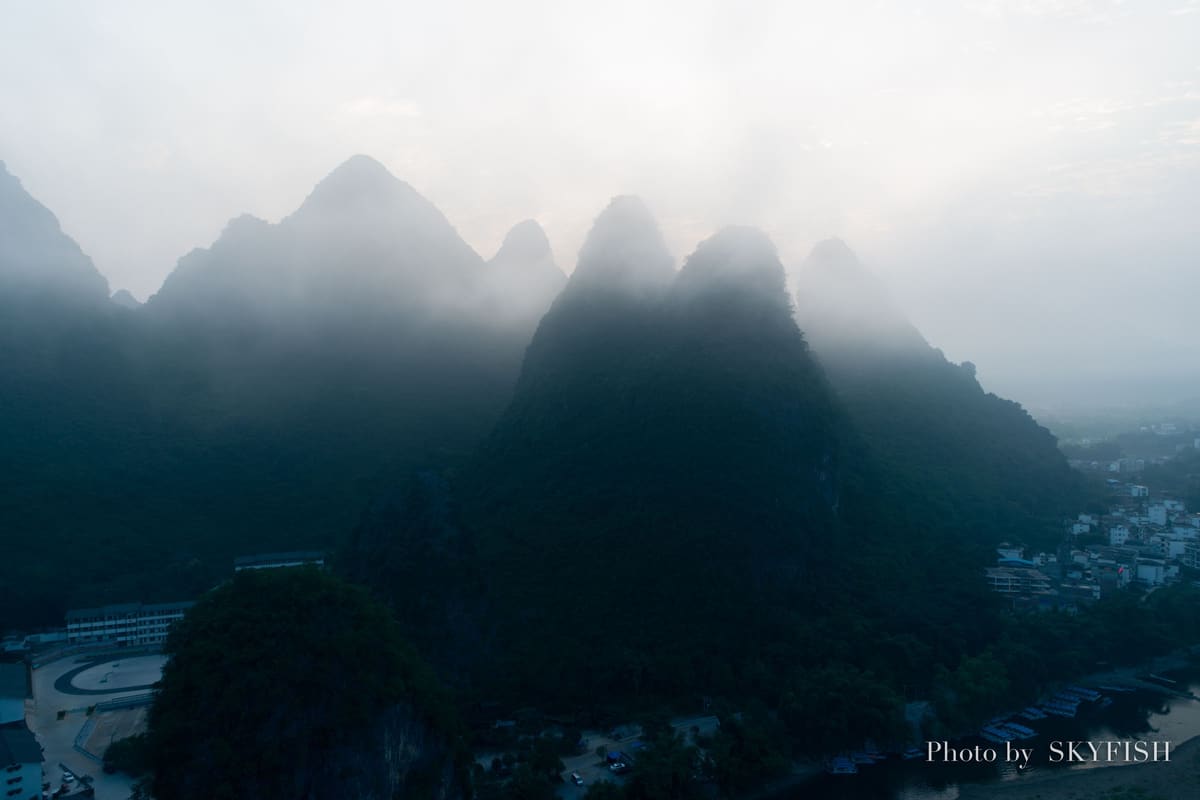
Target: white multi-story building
<point x="1191" y="555"/>
<point x="1154" y="572"/>
<point x="20" y="763"/>
<point x="125" y="624"/>
<point x="1118" y="535"/>
<point x="1138" y="491"/>
<point x="1168" y="546"/>
<point x="1158" y="514"/>
<point x="1017" y="581"/>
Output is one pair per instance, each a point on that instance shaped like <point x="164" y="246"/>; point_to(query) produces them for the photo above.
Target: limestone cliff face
<point x="399" y="757"/>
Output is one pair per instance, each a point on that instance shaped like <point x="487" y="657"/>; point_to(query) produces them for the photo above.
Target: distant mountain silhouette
<point x="843" y="307"/>
<point x="278" y="381"/>
<point x="522" y="279"/>
<point x="124" y="299"/>
<point x="363" y="241"/>
<point x="36" y="257"/>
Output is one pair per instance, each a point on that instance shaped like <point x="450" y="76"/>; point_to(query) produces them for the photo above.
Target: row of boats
<point x="1001" y="732"/>
<point x="998" y="730"/>
<point x="1064" y="703"/>
<point x="848" y="764"/>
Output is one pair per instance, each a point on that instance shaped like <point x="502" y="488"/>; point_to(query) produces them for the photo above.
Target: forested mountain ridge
<point x="983" y="465"/>
<point x="660" y="494"/>
<point x="279" y="380"/>
<point x="677" y="504"/>
<point x="670" y="463"/>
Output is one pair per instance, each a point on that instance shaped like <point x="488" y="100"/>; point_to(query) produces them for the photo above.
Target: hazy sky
<point x="1025" y="176"/>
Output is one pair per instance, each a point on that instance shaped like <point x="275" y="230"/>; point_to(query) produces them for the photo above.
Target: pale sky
<point x="1024" y="176"/>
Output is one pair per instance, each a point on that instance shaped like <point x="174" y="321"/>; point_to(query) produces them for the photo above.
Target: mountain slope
<point x="70" y="401"/>
<point x="36" y="257"/>
<point x="981" y="462"/>
<point x="362" y="241"/>
<point x="662" y="476"/>
<point x="277" y="382"/>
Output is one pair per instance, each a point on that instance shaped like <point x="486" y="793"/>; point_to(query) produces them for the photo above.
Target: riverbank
<point x="802" y="772"/>
<point x="1177" y="779"/>
<point x="1128" y="676"/>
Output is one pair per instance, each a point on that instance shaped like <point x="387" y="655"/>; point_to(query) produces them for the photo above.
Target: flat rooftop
<point x="14" y="682"/>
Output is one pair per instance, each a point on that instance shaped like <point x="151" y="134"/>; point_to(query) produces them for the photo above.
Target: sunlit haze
<point x="1023" y="176"/>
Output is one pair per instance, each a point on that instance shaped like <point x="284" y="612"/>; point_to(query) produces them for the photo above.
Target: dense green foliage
<point x="130" y="755"/>
<point x="177" y="452"/>
<point x="675" y="507"/>
<point x="659" y="495"/>
<point x="293" y="683"/>
<point x="1035" y="651"/>
<point x="984" y="470"/>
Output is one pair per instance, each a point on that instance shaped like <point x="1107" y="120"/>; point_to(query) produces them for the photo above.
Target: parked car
<point x="576" y="779"/>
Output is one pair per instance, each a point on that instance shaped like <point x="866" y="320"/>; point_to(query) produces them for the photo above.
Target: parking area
<point x="593" y="768"/>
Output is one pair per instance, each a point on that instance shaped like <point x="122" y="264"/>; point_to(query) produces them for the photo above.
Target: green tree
<point x="291" y="681"/>
<point x="604" y="790"/>
<point x="665" y="770"/>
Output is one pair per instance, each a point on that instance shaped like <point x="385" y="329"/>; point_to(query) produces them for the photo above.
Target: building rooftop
<point x="14" y="680"/>
<point x="275" y="558"/>
<point x="125" y="609"/>
<point x="18" y="745"/>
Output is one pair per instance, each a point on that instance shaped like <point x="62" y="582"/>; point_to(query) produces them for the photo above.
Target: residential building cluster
<point x="1144" y="539"/>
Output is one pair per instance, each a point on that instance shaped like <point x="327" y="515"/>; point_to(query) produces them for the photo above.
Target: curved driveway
<point x="65" y="683"/>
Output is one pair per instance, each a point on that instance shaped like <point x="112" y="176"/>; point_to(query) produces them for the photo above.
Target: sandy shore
<point x="1177" y="779"/>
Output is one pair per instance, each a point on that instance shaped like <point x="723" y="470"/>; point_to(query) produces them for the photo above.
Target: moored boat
<point x="841" y="765"/>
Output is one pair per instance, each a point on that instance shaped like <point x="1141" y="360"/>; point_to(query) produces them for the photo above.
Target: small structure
<point x="280" y="560"/>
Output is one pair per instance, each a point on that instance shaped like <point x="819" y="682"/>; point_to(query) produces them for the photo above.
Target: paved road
<point x="57" y="737"/>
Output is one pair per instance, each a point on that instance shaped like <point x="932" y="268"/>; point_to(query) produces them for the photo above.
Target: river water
<point x="1133" y="716"/>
